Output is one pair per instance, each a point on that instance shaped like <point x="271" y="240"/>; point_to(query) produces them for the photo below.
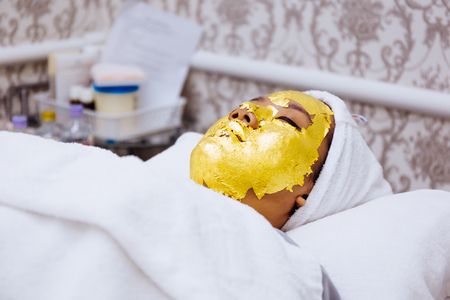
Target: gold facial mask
<point x="232" y="157"/>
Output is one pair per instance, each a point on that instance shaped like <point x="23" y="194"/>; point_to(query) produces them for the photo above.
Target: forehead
<point x="310" y="104"/>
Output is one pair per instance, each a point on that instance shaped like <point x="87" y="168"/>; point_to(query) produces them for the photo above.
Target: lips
<point x="230" y="129"/>
<point x="228" y="133"/>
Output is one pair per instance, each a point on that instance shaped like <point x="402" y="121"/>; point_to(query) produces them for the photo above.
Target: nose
<point x="244" y="115"/>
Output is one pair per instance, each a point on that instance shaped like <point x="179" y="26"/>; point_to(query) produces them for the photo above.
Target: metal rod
<point x="411" y="98"/>
<point x="41" y="51"/>
<point x="24" y="101"/>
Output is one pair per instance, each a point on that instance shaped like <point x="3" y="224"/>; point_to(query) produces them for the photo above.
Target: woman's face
<point x="263" y="147"/>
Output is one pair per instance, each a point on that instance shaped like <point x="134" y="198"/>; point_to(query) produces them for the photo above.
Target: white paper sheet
<point x="157" y="41"/>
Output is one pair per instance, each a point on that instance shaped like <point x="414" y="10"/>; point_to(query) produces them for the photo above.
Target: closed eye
<point x="289" y="121"/>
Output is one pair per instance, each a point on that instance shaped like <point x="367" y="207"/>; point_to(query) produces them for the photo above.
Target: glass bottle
<point x="20" y="124"/>
<point x="49" y="128"/>
<point x="87" y="98"/>
<point x="77" y="131"/>
<point x="74" y="94"/>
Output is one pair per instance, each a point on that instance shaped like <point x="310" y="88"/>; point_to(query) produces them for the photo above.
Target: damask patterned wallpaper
<point x="405" y="42"/>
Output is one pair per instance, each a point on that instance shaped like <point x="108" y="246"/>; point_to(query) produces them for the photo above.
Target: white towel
<point x="351" y="174"/>
<point x="393" y="248"/>
<point x="79" y="222"/>
<point x="176" y="159"/>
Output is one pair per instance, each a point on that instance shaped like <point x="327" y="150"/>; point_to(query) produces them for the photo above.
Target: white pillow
<point x="394" y="247"/>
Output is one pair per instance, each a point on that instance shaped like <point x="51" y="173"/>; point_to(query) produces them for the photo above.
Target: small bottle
<point x="87" y="98"/>
<point x="74" y="94"/>
<point x="20" y="124"/>
<point x="77" y="131"/>
<point x="49" y="128"/>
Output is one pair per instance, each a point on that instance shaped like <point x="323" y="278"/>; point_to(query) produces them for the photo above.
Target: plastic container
<point x="77" y="131"/>
<point x="71" y="69"/>
<point x="51" y="69"/>
<point x="115" y="127"/>
<point x="49" y="128"/>
<point x="115" y="99"/>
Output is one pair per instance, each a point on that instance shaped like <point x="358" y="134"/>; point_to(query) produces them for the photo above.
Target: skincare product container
<point x="115" y="99"/>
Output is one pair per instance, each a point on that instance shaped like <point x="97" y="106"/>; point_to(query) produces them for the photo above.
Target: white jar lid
<point x="86" y="95"/>
<point x="75" y="91"/>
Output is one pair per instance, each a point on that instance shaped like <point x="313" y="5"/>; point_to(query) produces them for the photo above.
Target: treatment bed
<point x="79" y="222"/>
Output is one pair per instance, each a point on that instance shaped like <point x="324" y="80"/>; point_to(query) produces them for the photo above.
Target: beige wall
<point x="403" y="41"/>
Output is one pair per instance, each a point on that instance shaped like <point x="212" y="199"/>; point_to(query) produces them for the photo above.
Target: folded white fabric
<point x="176" y="159"/>
<point x="395" y="247"/>
<point x="79" y="222"/>
<point x="351" y="174"/>
<point x="43" y="257"/>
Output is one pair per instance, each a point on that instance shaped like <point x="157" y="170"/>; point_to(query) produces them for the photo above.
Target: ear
<point x="300" y="200"/>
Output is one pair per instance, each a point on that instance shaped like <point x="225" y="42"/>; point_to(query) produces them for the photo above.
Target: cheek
<point x="289" y="155"/>
<point x="276" y="156"/>
<point x="281" y="145"/>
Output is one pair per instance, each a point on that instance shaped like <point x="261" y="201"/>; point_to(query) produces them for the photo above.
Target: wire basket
<point x="120" y="127"/>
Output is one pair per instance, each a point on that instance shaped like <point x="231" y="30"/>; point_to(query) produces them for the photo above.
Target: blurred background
<point x="404" y="42"/>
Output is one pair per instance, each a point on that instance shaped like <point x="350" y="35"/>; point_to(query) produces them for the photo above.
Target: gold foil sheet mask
<point x="232" y="157"/>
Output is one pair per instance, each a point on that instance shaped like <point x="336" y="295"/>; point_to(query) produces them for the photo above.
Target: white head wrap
<point x="351" y="174"/>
